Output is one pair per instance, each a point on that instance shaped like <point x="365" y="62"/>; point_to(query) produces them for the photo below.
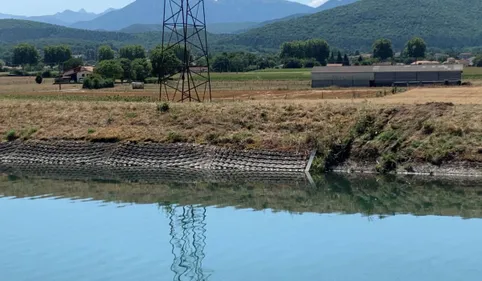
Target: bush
<point x="163" y="107"/>
<point x="87" y="84"/>
<point x="292" y="63"/>
<point x="19" y="72"/>
<point x="47" y="74"/>
<point x="310" y="63"/>
<point x="11" y="135"/>
<point x="97" y="82"/>
<point x="39" y="79"/>
<point x="151" y="80"/>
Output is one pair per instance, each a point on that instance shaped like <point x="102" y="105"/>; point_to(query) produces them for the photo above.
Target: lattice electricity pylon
<point x="188" y="241"/>
<point x="184" y="31"/>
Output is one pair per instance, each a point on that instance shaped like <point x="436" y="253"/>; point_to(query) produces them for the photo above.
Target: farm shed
<point x="371" y="76"/>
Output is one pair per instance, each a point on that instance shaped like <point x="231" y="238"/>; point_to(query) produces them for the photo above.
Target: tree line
<point x="132" y="63"/>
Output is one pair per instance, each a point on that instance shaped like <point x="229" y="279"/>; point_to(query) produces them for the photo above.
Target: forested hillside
<point x="442" y="23"/>
<point x="330" y="4"/>
<point x="13" y="32"/>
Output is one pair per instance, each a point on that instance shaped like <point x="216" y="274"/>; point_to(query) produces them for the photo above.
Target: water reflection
<point x="350" y="194"/>
<point x="188" y="240"/>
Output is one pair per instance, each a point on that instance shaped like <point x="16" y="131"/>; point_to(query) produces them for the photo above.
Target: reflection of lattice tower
<point x="184" y="30"/>
<point x="188" y="240"/>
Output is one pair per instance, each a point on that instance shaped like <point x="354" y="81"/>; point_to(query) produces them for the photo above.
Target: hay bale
<point x="138" y="85"/>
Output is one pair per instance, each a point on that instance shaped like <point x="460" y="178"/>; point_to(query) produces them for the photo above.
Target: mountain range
<point x="150" y="12"/>
<point x="442" y="23"/>
<point x="64" y="18"/>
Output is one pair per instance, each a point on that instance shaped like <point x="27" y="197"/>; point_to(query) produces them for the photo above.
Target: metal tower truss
<point x="184" y="32"/>
<point x="188" y="241"/>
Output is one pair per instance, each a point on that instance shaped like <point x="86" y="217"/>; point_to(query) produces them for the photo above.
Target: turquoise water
<point x="58" y="233"/>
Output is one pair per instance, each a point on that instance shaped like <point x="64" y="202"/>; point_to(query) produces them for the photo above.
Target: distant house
<point x="198" y="69"/>
<point x="78" y="74"/>
<point x="464" y="62"/>
<point x="465" y="56"/>
<point x="425" y="62"/>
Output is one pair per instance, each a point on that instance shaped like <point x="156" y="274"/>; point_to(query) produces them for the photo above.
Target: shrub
<point x="47" y="74"/>
<point x="387" y="163"/>
<point x="97" y="82"/>
<point x="39" y="79"/>
<point x="151" y="80"/>
<point x="87" y="84"/>
<point x="292" y="63"/>
<point x="11" y="135"/>
<point x="19" y="72"/>
<point x="310" y="63"/>
<point x="163" y="107"/>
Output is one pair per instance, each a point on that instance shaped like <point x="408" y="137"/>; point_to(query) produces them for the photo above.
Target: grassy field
<point x="470" y="73"/>
<point x="265" y="75"/>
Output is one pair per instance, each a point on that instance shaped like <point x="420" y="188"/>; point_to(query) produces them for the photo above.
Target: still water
<point x="338" y="229"/>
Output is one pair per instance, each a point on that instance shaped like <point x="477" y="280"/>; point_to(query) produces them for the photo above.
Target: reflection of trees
<point x="188" y="240"/>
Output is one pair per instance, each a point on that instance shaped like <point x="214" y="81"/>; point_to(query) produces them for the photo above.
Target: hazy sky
<point x="44" y="7"/>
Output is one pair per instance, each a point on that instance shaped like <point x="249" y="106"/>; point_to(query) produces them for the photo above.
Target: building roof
<point x="342" y="69"/>
<point x="79" y="69"/>
<point x="390" y="68"/>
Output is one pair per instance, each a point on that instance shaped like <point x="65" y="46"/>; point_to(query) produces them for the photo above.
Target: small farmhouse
<point x="78" y="74"/>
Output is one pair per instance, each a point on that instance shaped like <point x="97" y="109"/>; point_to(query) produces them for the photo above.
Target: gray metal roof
<point x="342" y="69"/>
<point x="388" y="68"/>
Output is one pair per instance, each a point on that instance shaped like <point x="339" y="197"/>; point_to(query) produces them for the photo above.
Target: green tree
<point x="90" y="54"/>
<point x="346" y="60"/>
<point x="2" y="64"/>
<point x="221" y="63"/>
<point x="132" y="52"/>
<point x="164" y="64"/>
<point x="126" y="65"/>
<point x="109" y="69"/>
<point x="105" y="53"/>
<point x="237" y="64"/>
<point x="141" y="69"/>
<point x="360" y="58"/>
<point x="332" y="58"/>
<point x="478" y="61"/>
<point x="382" y="49"/>
<point x="318" y="49"/>
<point x="314" y="48"/>
<point x="416" y="48"/>
<point x="72" y="63"/>
<point x="54" y="55"/>
<point x="24" y="54"/>
<point x="339" y="58"/>
<point x="292" y="63"/>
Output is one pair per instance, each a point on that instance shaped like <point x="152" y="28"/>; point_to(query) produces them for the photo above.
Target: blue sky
<point x="44" y="7"/>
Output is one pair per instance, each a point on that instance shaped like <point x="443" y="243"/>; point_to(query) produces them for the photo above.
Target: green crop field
<point x="267" y="74"/>
<point x="472" y="73"/>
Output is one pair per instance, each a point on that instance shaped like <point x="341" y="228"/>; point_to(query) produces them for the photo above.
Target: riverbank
<point x="368" y="136"/>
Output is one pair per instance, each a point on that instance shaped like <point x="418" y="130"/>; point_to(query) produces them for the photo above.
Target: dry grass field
<point x="228" y="91"/>
<point x="427" y="124"/>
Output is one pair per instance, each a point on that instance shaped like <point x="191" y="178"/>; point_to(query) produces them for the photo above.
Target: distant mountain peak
<point x="217" y="11"/>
